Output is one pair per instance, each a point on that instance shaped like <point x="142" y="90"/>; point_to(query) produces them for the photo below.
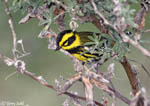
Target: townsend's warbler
<point x="74" y="42"/>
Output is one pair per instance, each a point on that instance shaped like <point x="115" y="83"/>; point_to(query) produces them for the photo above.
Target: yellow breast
<point x="84" y="57"/>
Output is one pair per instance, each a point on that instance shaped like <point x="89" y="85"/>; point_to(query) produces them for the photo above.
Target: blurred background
<point x="51" y="65"/>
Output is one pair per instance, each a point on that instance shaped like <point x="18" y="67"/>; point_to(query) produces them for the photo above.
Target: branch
<point x="31" y="75"/>
<point x="99" y="81"/>
<point x="135" y="44"/>
<point x="42" y="81"/>
<point x="99" y="14"/>
<point x="131" y="75"/>
<point x="122" y="34"/>
<point x="12" y="29"/>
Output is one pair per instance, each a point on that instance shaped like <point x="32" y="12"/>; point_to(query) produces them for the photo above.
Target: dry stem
<point x="12" y="29"/>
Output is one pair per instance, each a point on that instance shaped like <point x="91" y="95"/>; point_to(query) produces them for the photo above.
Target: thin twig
<point x="122" y="34"/>
<point x="142" y="65"/>
<point x="135" y="44"/>
<point x="44" y="83"/>
<point x="147" y="30"/>
<point x="112" y="92"/>
<point x="100" y="15"/>
<point x="12" y="29"/>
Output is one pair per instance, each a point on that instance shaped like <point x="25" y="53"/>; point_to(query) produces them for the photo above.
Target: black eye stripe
<point x="69" y="40"/>
<point x="60" y="36"/>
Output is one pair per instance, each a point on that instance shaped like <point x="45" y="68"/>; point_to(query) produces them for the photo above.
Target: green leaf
<point x="89" y="43"/>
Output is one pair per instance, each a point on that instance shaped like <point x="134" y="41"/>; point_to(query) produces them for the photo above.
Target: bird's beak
<point x="57" y="48"/>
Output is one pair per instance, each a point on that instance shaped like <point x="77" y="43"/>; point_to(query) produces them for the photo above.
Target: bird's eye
<point x="65" y="43"/>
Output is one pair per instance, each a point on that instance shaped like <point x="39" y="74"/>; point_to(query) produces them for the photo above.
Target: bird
<point x="75" y="43"/>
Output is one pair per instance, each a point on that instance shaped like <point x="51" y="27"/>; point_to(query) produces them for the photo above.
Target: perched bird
<point x="74" y="43"/>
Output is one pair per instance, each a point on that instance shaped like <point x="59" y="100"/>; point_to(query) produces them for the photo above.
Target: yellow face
<point x="69" y="41"/>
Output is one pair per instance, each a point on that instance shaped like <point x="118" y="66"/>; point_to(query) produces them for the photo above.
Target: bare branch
<point x="31" y="75"/>
<point x="100" y="82"/>
<point x="147" y="30"/>
<point x="43" y="82"/>
<point x="88" y="86"/>
<point x="12" y="29"/>
<point x="100" y="15"/>
<point x="132" y="77"/>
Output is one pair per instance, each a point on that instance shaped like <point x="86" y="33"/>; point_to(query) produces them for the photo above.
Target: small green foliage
<point x="128" y="15"/>
<point x="48" y="18"/>
<point x="120" y="49"/>
<point x="111" y="11"/>
<point x="103" y="45"/>
<point x="20" y="5"/>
